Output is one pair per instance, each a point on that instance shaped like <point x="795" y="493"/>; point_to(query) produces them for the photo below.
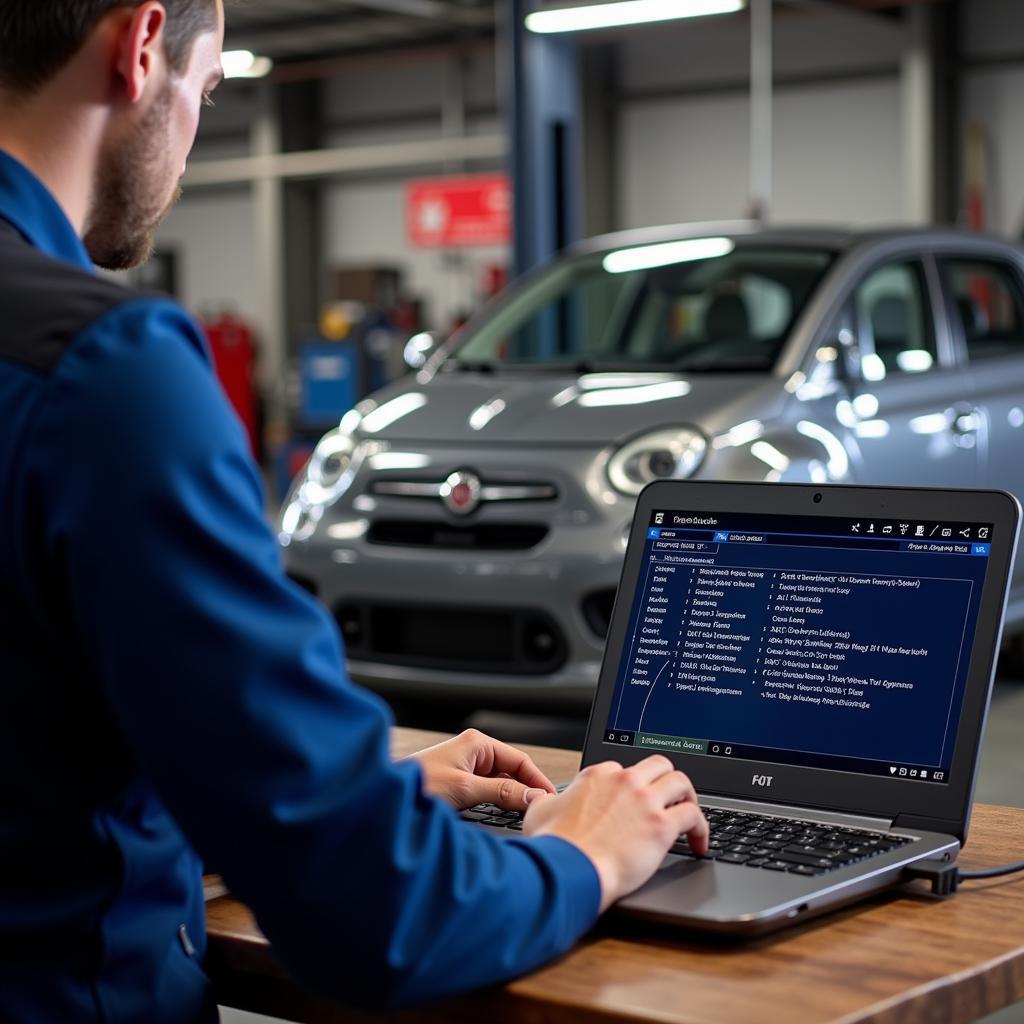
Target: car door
<point x="912" y="415"/>
<point x="985" y="296"/>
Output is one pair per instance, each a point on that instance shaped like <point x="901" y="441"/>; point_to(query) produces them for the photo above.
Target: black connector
<point x="944" y="876"/>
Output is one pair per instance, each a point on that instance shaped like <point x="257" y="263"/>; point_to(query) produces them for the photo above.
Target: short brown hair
<point x="38" y="37"/>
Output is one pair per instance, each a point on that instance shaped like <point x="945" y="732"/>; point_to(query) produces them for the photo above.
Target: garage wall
<point x="992" y="100"/>
<point x="682" y="142"/>
<point x="684" y="127"/>
<point x="993" y="27"/>
<point x="365" y="217"/>
<point x="994" y="31"/>
<point x="837" y="157"/>
<point x="366" y="224"/>
<point x="716" y="50"/>
<point x="402" y="101"/>
<point x="212" y="233"/>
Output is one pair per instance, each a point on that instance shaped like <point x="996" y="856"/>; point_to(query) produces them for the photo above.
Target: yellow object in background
<point x="335" y="321"/>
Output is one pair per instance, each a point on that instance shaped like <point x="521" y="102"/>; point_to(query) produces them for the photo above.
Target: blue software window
<point x="836" y="643"/>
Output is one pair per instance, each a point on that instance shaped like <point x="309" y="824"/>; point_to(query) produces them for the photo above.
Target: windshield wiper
<point x="580" y="366"/>
<point x="749" y="367"/>
<point x="467" y="366"/>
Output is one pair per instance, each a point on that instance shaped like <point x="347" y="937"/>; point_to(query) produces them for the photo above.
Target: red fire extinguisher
<point x="233" y="344"/>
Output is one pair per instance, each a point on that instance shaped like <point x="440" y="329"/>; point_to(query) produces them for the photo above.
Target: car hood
<point x="571" y="409"/>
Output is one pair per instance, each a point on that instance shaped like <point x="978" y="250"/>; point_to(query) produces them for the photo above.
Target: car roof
<point x="834" y="238"/>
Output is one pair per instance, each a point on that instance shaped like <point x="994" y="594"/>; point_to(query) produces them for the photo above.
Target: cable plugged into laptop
<point x="945" y="878"/>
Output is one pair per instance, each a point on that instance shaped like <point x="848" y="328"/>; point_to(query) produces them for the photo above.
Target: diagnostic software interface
<point x="820" y="641"/>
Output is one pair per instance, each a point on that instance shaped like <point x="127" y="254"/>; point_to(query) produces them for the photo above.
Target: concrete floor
<point x="1001" y="780"/>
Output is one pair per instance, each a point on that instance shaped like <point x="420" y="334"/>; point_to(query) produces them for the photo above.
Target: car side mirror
<point x="420" y="347"/>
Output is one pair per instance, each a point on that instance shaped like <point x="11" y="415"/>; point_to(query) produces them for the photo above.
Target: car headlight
<point x="661" y="455"/>
<point x="331" y="468"/>
<point x="298" y="521"/>
<point x="328" y="475"/>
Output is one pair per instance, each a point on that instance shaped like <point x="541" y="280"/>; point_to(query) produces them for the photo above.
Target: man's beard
<point x="127" y="204"/>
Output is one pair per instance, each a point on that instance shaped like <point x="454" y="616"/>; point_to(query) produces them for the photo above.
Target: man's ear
<point x="140" y="48"/>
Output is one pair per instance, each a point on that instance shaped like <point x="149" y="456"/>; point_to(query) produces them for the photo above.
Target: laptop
<point x="819" y="661"/>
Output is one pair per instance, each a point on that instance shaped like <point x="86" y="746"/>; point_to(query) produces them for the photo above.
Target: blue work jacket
<point x="168" y="696"/>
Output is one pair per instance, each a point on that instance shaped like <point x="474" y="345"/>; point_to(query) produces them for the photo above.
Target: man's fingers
<point x="674" y="788"/>
<point x="651" y="768"/>
<point x="508" y="794"/>
<point x="689" y="820"/>
<point x="497" y="758"/>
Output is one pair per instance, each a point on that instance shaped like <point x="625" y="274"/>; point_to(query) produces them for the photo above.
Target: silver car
<point x="466" y="525"/>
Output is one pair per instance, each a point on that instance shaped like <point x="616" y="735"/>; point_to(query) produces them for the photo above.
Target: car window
<point x="894" y="323"/>
<point x="750" y="305"/>
<point x="730" y="312"/>
<point x="988" y="305"/>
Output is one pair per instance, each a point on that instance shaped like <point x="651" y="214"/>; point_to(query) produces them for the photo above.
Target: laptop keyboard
<point x="755" y="840"/>
<point x="787" y="844"/>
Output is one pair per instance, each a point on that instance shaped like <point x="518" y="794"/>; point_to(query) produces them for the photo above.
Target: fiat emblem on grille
<point x="461" y="493"/>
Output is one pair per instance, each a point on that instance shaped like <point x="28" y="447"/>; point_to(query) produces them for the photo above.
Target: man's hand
<point x="623" y="819"/>
<point x="472" y="768"/>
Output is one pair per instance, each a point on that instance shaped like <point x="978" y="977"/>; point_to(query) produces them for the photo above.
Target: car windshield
<point x="720" y="313"/>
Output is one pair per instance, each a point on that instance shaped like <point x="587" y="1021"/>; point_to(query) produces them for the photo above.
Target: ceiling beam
<point x="331" y="163"/>
<point x="354" y="27"/>
<point x="432" y="10"/>
<point x="393" y="56"/>
<point x="359" y="26"/>
<point x="860" y="11"/>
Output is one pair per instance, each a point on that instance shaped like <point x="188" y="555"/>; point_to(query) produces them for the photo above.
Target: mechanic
<point x="167" y="694"/>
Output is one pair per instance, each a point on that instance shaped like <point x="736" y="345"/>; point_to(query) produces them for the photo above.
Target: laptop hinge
<point x="921" y="823"/>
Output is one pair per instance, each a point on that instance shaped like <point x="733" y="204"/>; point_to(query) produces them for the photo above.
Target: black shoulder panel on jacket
<point x="45" y="303"/>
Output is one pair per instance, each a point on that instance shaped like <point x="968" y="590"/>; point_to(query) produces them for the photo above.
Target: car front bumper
<point x="500" y="627"/>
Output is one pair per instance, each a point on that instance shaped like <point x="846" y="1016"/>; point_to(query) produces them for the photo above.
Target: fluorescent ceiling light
<point x="647" y="257"/>
<point x="625" y="12"/>
<point x="244" y="64"/>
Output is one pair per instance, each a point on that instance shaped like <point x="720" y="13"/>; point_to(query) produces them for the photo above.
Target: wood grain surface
<point x="903" y="956"/>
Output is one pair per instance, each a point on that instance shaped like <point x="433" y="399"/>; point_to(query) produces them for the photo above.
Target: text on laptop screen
<point x="817" y="641"/>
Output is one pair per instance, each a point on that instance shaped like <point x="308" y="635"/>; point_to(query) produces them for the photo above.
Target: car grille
<point x="417" y="533"/>
<point x="512" y="641"/>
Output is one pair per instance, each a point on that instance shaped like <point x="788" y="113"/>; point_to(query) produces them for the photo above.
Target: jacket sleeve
<point x="228" y="684"/>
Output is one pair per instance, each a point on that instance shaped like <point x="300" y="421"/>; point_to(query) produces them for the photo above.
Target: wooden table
<point x="905" y="956"/>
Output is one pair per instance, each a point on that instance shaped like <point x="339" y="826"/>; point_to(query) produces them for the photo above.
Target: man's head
<point x="147" y="66"/>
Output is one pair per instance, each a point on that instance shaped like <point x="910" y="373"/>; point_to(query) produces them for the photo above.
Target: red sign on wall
<point x="458" y="212"/>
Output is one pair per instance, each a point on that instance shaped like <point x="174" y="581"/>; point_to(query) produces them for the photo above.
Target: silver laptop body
<point x="819" y="661"/>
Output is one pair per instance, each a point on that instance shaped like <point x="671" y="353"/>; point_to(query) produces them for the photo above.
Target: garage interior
<point x="304" y="229"/>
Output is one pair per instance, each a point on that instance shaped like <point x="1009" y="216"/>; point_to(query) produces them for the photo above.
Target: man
<point x="164" y="688"/>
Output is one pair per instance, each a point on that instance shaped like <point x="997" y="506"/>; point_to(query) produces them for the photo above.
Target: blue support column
<point x="544" y="112"/>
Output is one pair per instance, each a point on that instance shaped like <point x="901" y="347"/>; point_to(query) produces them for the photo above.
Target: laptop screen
<point x="816" y="641"/>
